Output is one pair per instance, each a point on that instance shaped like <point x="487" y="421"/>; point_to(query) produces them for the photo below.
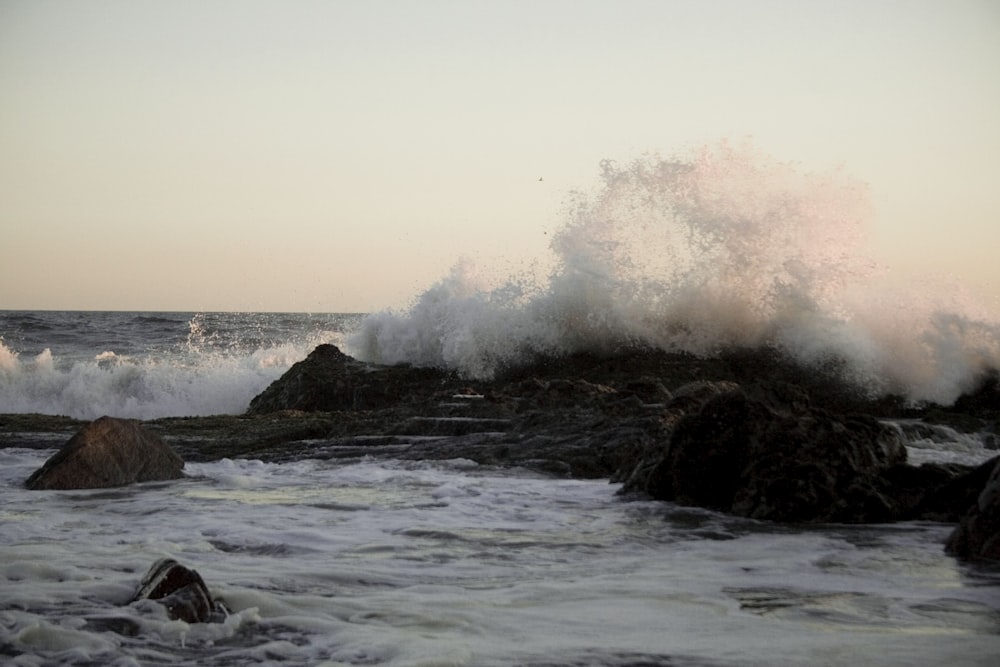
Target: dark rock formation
<point x="765" y="453"/>
<point x="182" y="591"/>
<point x="984" y="400"/>
<point x="105" y="453"/>
<point x="935" y="491"/>
<point x="978" y="533"/>
<point x="641" y="469"/>
<point x="328" y="380"/>
<point x="740" y="432"/>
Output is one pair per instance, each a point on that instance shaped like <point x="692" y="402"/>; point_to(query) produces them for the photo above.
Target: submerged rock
<point x="108" y="452"/>
<point x="978" y="533"/>
<point x="182" y="591"/>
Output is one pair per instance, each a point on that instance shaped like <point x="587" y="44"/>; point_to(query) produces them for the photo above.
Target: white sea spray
<point x="721" y="248"/>
<point x="135" y="365"/>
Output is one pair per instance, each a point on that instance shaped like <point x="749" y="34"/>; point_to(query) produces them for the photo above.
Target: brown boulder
<point x="105" y="453"/>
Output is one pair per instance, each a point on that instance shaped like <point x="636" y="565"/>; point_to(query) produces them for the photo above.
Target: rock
<point x="328" y="380"/>
<point x="978" y="533"/>
<point x="935" y="491"/>
<point x="984" y="400"/>
<point x="182" y="591"/>
<point x="641" y="463"/>
<point x="772" y="456"/>
<point x="105" y="453"/>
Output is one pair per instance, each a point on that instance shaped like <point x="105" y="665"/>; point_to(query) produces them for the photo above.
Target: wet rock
<point x="182" y="591"/>
<point x="772" y="456"/>
<point x="108" y="452"/>
<point x="641" y="465"/>
<point x="978" y="533"/>
<point x="328" y="380"/>
<point x="984" y="400"/>
<point x="934" y="491"/>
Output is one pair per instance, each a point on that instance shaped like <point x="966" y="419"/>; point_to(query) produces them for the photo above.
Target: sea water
<point x="450" y="563"/>
<point x="147" y="365"/>
<point x="383" y="562"/>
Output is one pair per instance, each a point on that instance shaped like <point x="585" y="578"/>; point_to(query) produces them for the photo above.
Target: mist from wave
<point x="150" y="365"/>
<point x="721" y="248"/>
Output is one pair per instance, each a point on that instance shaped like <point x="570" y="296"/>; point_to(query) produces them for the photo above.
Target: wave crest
<point x="721" y="248"/>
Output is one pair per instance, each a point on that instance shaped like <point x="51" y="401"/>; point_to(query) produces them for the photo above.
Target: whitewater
<point x="147" y="365"/>
<point x="361" y="561"/>
<point x="718" y="248"/>
<point x="449" y="563"/>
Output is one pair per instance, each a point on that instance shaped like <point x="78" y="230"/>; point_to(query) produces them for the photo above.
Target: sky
<point x="340" y="156"/>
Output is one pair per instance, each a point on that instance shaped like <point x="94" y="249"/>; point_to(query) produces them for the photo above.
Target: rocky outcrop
<point x="741" y="433"/>
<point x="978" y="533"/>
<point x="766" y="453"/>
<point x="642" y="467"/>
<point x="328" y="380"/>
<point x="935" y="491"/>
<point x="108" y="452"/>
<point x="182" y="591"/>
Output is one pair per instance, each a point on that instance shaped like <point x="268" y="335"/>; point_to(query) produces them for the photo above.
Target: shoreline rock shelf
<point x="747" y="432"/>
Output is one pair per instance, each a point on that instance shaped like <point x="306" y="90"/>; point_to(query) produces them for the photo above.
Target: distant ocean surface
<point x="146" y="365"/>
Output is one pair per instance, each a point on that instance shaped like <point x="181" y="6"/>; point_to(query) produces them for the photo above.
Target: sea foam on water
<point x="718" y="249"/>
<point x="177" y="364"/>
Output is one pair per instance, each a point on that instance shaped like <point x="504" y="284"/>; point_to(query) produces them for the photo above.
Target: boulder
<point x="765" y="453"/>
<point x="642" y="464"/>
<point x="108" y="452"/>
<point x="935" y="491"/>
<point x="328" y="381"/>
<point x="978" y="533"/>
<point x="182" y="591"/>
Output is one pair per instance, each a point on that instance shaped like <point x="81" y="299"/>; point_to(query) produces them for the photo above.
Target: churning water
<point x="449" y="563"/>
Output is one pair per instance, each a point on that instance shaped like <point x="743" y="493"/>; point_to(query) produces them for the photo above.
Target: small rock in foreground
<point x="182" y="591"/>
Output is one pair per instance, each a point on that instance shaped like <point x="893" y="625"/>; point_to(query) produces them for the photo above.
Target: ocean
<point x="149" y="365"/>
<point x="370" y="561"/>
<point x="388" y="562"/>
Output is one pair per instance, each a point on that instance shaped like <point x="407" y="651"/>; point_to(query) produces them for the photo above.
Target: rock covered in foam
<point x="108" y="452"/>
<point x="978" y="533"/>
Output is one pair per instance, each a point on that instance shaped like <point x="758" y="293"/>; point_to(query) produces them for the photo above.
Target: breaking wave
<point x="720" y="248"/>
<point x="146" y="367"/>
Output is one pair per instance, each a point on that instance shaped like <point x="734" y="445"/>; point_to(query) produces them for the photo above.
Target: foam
<point x="197" y="379"/>
<point x="719" y="248"/>
<point x="512" y="569"/>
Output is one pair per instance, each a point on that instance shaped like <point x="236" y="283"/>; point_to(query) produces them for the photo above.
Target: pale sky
<point x="342" y="155"/>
